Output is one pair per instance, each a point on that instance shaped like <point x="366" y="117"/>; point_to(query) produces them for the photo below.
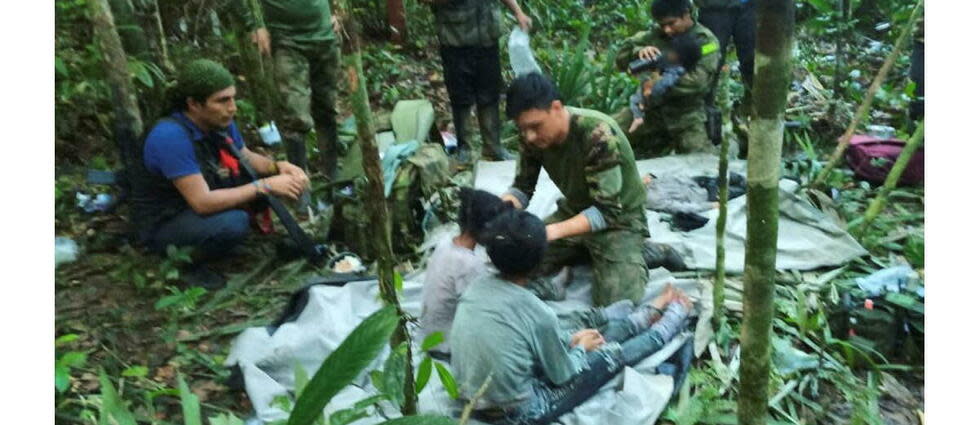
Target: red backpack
<point x="872" y="157"/>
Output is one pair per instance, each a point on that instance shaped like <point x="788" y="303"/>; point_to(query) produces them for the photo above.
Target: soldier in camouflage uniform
<point x="299" y="35"/>
<point x="679" y="124"/>
<point x="469" y="31"/>
<point x="601" y="216"/>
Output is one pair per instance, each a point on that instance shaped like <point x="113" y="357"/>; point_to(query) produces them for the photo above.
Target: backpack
<point x="422" y="197"/>
<point x="871" y="158"/>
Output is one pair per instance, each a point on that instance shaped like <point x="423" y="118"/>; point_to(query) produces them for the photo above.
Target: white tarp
<point x="808" y="239"/>
<point x="636" y="396"/>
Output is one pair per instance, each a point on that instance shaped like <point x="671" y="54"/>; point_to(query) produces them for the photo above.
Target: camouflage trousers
<point x="661" y="133"/>
<point x="616" y="259"/>
<point x="307" y="80"/>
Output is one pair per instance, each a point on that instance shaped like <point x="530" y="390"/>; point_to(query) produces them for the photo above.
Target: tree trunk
<point x="128" y="124"/>
<point x="718" y="316"/>
<point x="396" y="21"/>
<point x="898" y="168"/>
<point x="773" y="48"/>
<point x="130" y="31"/>
<point x="156" y="37"/>
<point x="869" y="97"/>
<point x="377" y="207"/>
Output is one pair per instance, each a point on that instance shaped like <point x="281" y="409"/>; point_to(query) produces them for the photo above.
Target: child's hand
<point x="636" y="124"/>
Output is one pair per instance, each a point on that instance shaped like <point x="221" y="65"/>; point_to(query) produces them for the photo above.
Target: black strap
<point x="303" y="241"/>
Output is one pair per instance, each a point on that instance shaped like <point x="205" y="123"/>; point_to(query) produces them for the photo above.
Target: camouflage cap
<point x="202" y="78"/>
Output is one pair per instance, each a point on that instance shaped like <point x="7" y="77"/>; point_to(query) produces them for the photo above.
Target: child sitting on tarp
<point x="684" y="54"/>
<point x="539" y="372"/>
<point x="454" y="263"/>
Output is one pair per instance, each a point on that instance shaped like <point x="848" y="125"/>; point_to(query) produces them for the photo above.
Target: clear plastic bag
<point x="519" y="49"/>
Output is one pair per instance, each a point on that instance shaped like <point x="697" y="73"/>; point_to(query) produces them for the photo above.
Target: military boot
<point x="296" y="154"/>
<point x="489" y="119"/>
<point x="460" y="121"/>
<point x="328" y="146"/>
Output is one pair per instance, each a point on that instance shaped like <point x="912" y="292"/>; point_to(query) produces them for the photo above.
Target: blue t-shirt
<point x="169" y="147"/>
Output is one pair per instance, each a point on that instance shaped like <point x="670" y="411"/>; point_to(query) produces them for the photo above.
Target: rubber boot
<point x="489" y="119"/>
<point x="328" y="146"/>
<point x="460" y="120"/>
<point x="296" y="154"/>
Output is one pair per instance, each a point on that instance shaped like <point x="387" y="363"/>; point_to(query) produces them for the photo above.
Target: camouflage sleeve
<point x="603" y="173"/>
<point x="630" y="49"/>
<point x="698" y="81"/>
<point x="526" y="178"/>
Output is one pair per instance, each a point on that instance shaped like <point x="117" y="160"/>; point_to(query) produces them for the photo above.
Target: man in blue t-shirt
<point x="190" y="190"/>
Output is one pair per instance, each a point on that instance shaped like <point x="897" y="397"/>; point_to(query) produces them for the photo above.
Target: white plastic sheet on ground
<point x="808" y="239"/>
<point x="636" y="396"/>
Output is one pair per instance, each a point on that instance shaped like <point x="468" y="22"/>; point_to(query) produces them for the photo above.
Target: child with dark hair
<point x="454" y="263"/>
<point x="682" y="56"/>
<point x="539" y="371"/>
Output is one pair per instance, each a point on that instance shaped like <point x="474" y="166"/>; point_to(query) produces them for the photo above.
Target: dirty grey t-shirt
<point x="504" y="330"/>
<point x="451" y="268"/>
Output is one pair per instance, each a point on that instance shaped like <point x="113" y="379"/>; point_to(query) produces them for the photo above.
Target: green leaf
<point x="425" y="372"/>
<point x="62" y="378"/>
<point x="447" y="380"/>
<point x="167" y="301"/>
<point x="394" y="376"/>
<point x="225" y="419"/>
<point x="420" y="420"/>
<point x="906" y="302"/>
<point x="73" y="359"/>
<point x="60" y="68"/>
<point x="189" y="403"/>
<point x="399" y="282"/>
<point x="64" y="339"/>
<point x="346" y="416"/>
<point x="355" y="353"/>
<point x="137" y="371"/>
<point x="301" y="378"/>
<point x="432" y="341"/>
<point x="113" y="411"/>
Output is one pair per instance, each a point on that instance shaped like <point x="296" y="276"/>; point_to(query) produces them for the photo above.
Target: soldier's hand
<point x="262" y="39"/>
<point x="524" y="22"/>
<point x="649" y="52"/>
<point x="336" y="24"/>
<point x="285" y="186"/>
<point x="513" y="200"/>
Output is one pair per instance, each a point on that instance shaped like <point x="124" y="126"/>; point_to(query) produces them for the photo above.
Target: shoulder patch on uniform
<point x="709" y="48"/>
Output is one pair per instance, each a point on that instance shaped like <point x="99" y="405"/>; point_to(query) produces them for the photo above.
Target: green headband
<point x="202" y="78"/>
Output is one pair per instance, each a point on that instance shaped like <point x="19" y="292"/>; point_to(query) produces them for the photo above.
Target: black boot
<point x="329" y="150"/>
<point x="461" y="115"/>
<point x="489" y="119"/>
<point x="296" y="154"/>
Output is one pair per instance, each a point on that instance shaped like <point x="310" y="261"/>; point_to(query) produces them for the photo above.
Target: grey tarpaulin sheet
<point x="808" y="239"/>
<point x="636" y="396"/>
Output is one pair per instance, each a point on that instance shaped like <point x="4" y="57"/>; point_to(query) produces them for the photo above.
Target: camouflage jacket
<point x="468" y="23"/>
<point x="294" y="23"/>
<point x="689" y="92"/>
<point x="593" y="167"/>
